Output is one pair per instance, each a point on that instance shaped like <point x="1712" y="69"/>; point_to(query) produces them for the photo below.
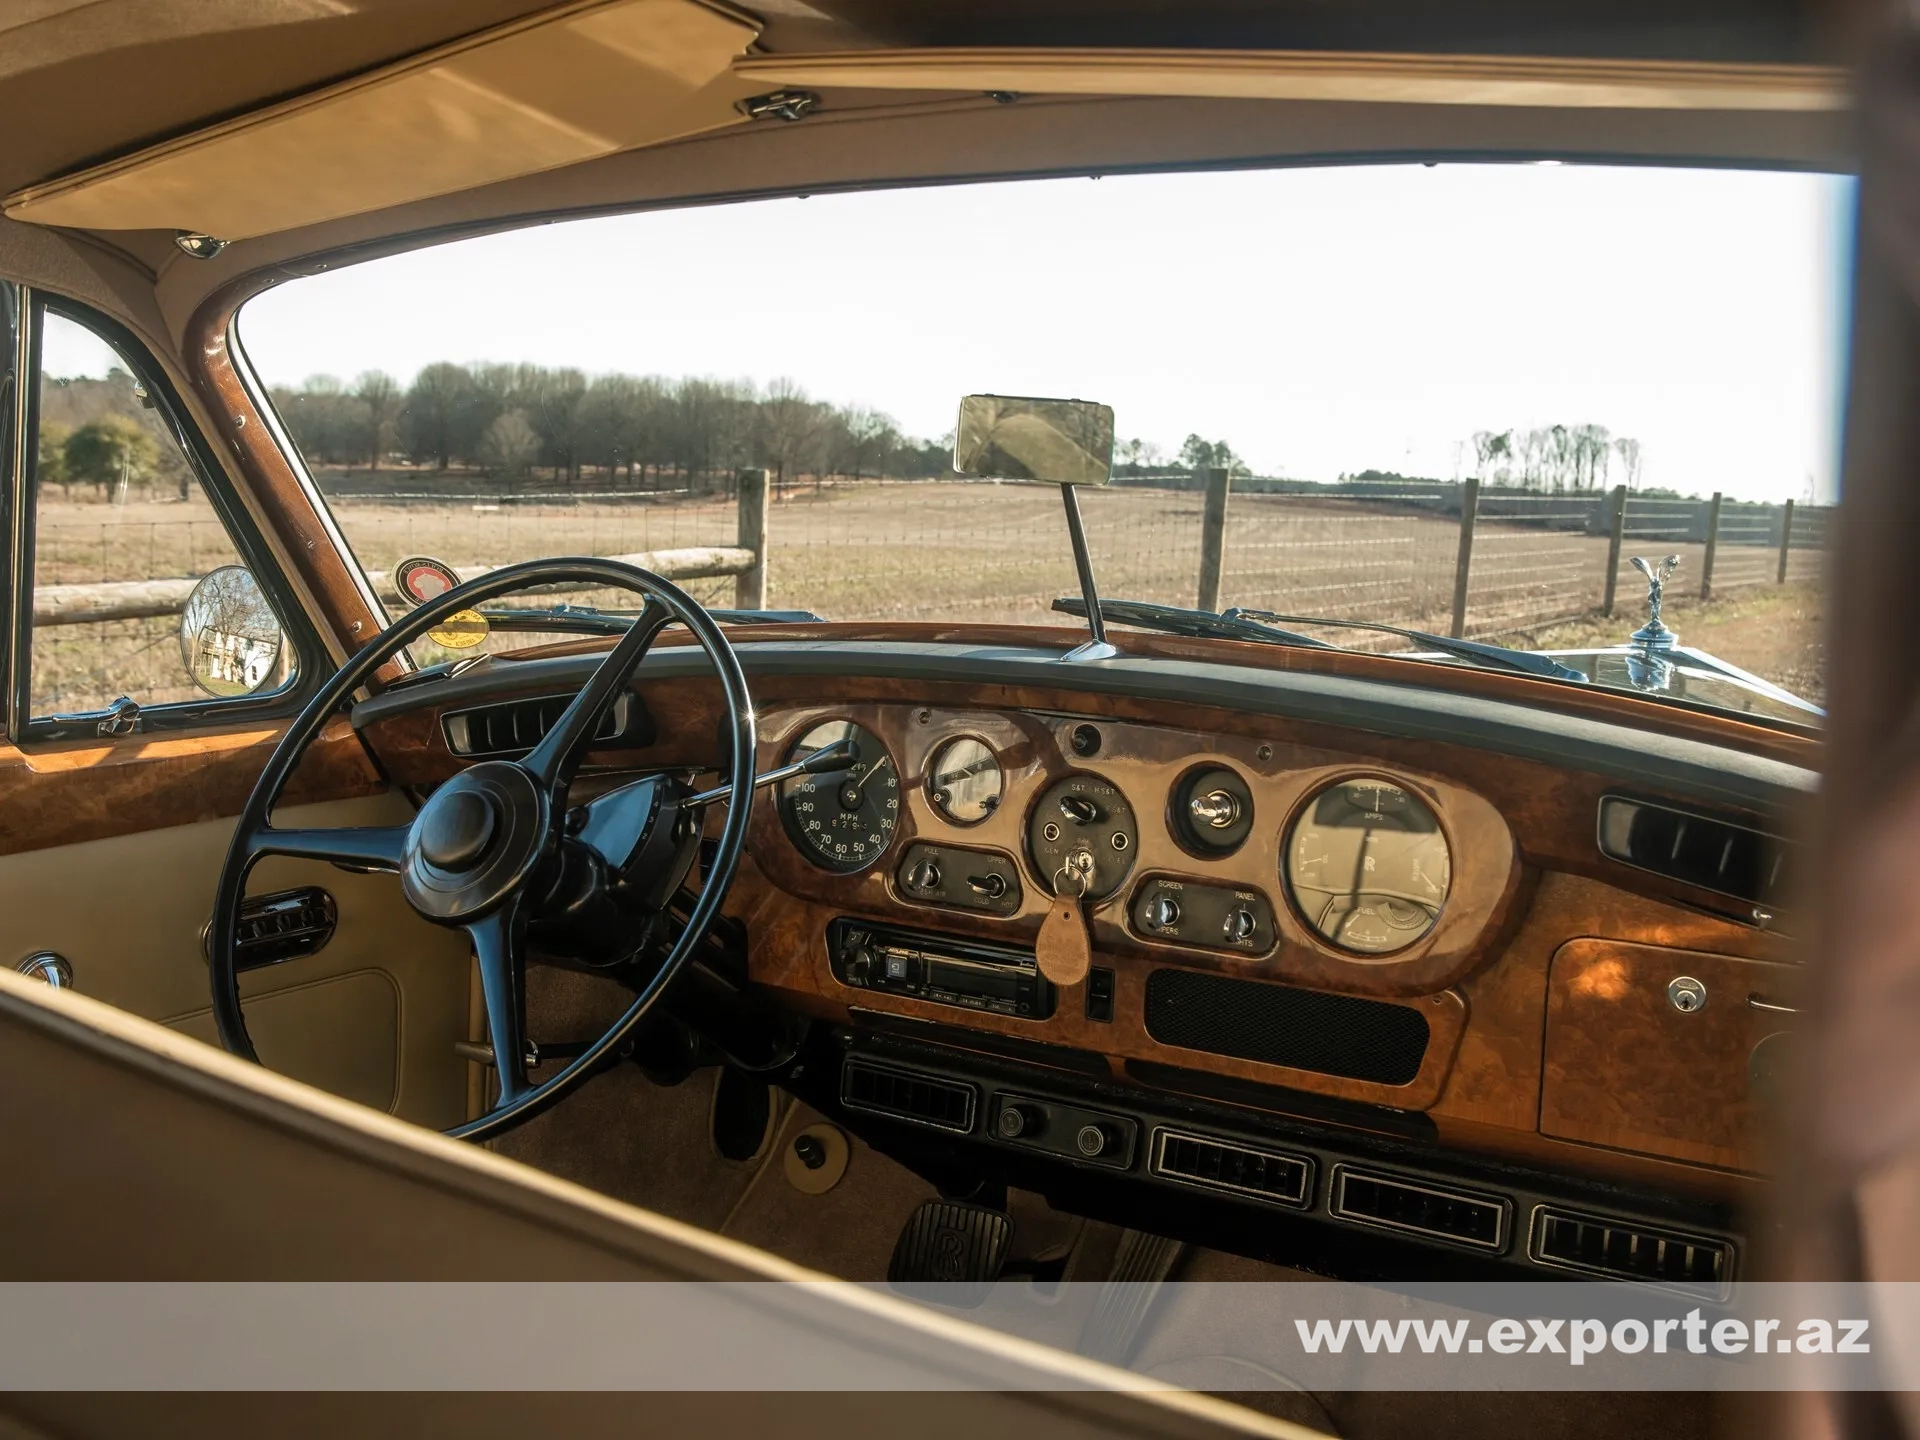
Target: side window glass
<point x="138" y="589"/>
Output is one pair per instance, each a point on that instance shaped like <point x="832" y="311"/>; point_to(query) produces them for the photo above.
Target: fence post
<point x="1713" y="546"/>
<point x="1213" y="536"/>
<point x="1463" y="565"/>
<point x="1786" y="543"/>
<point x="1616" y="539"/>
<point x="750" y="586"/>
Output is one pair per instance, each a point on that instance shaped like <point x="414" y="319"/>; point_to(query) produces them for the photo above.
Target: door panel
<point x="372" y="1016"/>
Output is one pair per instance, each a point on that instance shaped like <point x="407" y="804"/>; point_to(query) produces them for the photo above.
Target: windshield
<point x="1454" y="398"/>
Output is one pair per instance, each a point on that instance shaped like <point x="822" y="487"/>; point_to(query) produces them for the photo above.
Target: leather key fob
<point x="1064" y="951"/>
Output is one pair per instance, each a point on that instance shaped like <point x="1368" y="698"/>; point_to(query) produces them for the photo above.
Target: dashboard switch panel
<point x="983" y="880"/>
<point x="1087" y="1136"/>
<point x="1206" y="917"/>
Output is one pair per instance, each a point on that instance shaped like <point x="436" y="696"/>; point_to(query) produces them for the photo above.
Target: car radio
<point x="938" y="968"/>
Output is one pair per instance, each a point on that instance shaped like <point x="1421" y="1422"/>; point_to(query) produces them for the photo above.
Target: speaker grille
<point x="1279" y="1025"/>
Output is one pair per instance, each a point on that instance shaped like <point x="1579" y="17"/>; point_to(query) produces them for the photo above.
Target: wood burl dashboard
<point x="1527" y="1014"/>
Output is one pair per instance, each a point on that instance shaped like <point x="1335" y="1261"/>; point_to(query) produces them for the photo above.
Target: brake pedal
<point x="959" y="1247"/>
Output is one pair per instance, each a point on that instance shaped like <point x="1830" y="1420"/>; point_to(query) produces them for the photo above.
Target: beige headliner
<point x="206" y="53"/>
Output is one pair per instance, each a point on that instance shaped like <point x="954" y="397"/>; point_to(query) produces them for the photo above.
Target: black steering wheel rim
<point x="254" y="838"/>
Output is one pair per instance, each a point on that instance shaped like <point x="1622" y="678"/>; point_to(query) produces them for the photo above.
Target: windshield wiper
<point x="1474" y="652"/>
<point x="1203" y="624"/>
<point x="589" y="620"/>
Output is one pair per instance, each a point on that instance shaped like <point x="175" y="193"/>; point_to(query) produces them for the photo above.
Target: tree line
<point x="1555" y="458"/>
<point x="650" y="432"/>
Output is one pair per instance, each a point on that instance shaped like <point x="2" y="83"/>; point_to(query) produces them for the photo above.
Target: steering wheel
<point x="498" y="848"/>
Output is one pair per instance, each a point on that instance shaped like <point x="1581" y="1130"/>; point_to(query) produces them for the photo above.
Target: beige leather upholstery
<point x="133" y="1153"/>
<point x="373" y="1016"/>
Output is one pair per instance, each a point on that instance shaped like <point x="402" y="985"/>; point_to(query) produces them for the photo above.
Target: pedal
<point x="959" y="1248"/>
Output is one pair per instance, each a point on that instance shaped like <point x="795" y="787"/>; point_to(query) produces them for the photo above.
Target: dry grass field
<point x="983" y="552"/>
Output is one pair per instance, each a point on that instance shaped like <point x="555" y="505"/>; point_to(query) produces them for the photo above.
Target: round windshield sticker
<point x="461" y="630"/>
<point x="419" y="579"/>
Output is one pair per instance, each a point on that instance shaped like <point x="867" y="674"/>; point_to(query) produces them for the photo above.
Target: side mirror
<point x="1018" y="437"/>
<point x="229" y="636"/>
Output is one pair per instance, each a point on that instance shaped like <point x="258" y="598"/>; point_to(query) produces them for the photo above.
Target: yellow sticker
<point x="461" y="630"/>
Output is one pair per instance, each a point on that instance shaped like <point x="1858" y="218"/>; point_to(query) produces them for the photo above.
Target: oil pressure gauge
<point x="1368" y="866"/>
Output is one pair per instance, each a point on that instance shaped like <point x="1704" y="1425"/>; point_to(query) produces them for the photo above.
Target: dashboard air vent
<point x="516" y="726"/>
<point x="1395" y="1202"/>
<point x="1627" y="1250"/>
<point x="1217" y="1165"/>
<point x="1713" y="854"/>
<point x="907" y="1095"/>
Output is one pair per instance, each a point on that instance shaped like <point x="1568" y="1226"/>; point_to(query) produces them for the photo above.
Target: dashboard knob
<point x="1079" y="809"/>
<point x="1217" y="809"/>
<point x="926" y="875"/>
<point x="1090" y="1141"/>
<point x="992" y="885"/>
<point x="1163" y="912"/>
<point x="1016" y="1121"/>
<point x="1239" y="925"/>
<point x="859" y="964"/>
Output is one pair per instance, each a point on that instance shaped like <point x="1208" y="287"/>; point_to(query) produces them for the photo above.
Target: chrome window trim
<point x="243" y="530"/>
<point x="20" y="521"/>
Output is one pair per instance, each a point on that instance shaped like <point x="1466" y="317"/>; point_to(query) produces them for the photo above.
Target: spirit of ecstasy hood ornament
<point x="1655" y="635"/>
<point x="1647" y="665"/>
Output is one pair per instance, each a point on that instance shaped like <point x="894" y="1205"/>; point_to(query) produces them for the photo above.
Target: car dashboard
<point x="1394" y="969"/>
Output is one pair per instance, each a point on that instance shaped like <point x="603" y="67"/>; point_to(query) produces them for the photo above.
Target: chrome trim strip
<point x="20" y="537"/>
<point x="1719" y="1291"/>
<point x="1500" y="1204"/>
<point x="1157" y="1155"/>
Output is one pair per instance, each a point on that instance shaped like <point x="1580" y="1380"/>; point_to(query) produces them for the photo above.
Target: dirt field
<point x="959" y="551"/>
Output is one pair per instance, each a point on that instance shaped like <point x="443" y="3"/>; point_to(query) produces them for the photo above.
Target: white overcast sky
<point x="1319" y="320"/>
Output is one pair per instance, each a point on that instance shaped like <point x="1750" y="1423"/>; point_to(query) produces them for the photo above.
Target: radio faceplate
<point x="940" y="969"/>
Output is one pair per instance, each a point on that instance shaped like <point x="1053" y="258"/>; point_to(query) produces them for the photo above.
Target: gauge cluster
<point x="1176" y="844"/>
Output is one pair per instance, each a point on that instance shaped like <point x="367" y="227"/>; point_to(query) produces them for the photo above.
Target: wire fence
<point x="1487" y="563"/>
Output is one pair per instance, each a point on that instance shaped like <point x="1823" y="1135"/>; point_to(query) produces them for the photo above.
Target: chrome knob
<point x="1163" y="912"/>
<point x="1217" y="809"/>
<point x="1079" y="809"/>
<point x="1090" y="1141"/>
<point x="1239" y="924"/>
<point x="926" y="875"/>
<point x="48" y="965"/>
<point x="992" y="885"/>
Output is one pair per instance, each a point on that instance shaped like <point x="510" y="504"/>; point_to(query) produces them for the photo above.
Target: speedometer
<point x="842" y="819"/>
<point x="1368" y="866"/>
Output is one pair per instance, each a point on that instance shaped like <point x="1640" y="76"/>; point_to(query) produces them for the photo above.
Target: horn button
<point x="474" y="841"/>
<point x="454" y="832"/>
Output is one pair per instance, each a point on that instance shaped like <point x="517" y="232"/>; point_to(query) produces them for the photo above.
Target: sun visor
<point x="569" y="85"/>
<point x="1318" y="75"/>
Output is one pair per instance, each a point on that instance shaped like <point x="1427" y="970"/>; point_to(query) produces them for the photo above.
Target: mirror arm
<point x="1096" y="648"/>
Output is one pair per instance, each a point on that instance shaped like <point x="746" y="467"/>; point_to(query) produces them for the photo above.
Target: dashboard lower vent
<point x="1713" y="854"/>
<point x="516" y="726"/>
<point x="1626" y="1250"/>
<point x="1217" y="1165"/>
<point x="1395" y="1202"/>
<point x="1281" y="1025"/>
<point x="907" y="1095"/>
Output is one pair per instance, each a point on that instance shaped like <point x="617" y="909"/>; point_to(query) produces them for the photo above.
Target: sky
<point x="1319" y="320"/>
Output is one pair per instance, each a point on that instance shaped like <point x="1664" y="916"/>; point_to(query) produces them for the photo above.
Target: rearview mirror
<point x="229" y="635"/>
<point x="1018" y="437"/>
